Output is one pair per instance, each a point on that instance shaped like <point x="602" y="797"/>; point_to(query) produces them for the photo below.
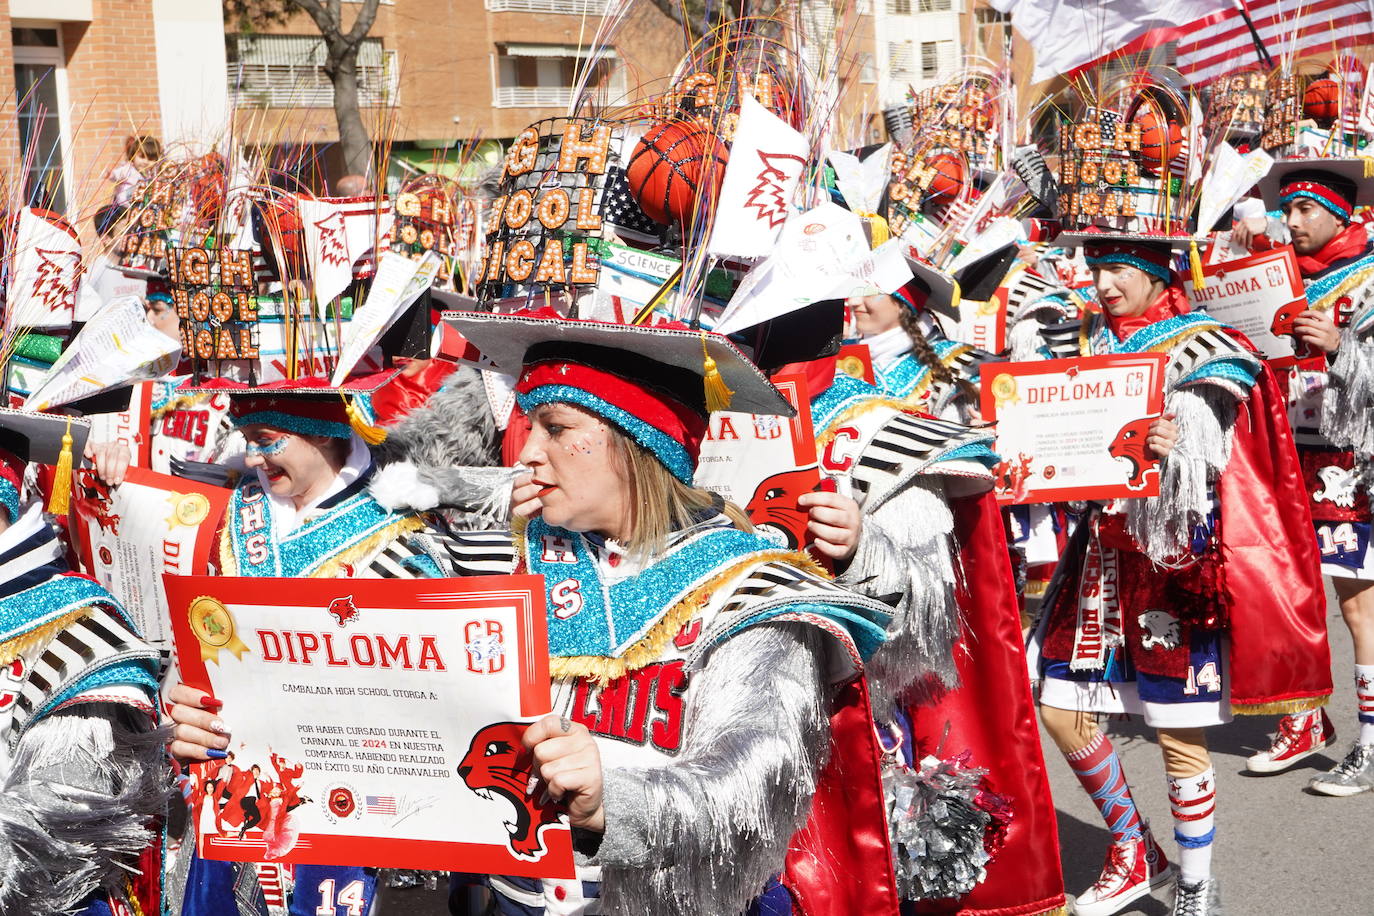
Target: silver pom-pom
<point x="938" y="826"/>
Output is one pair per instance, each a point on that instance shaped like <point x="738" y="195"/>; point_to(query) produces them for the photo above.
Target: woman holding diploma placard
<point x="1200" y="602"/>
<point x="696" y="665"/>
<point x="304" y="510"/>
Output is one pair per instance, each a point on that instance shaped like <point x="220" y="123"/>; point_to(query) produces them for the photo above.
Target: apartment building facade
<point x="436" y="74"/>
<point x="85" y="74"/>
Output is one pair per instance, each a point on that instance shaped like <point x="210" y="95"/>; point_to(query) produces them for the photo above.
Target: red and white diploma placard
<point x="1075" y="428"/>
<point x="764" y="463"/>
<point x="1259" y="296"/>
<point x="130" y="535"/>
<point x="383" y="718"/>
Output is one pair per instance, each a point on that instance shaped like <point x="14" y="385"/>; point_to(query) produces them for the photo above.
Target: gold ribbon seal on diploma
<point x="188" y="509"/>
<point x="215" y="629"/>
<point x="853" y="366"/>
<point x="990" y="307"/>
<point x="1004" y="389"/>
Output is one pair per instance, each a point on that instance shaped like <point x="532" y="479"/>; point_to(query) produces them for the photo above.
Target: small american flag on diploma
<point x="381" y="804"/>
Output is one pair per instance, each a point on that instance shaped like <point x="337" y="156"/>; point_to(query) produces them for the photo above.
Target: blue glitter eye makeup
<point x="268" y="449"/>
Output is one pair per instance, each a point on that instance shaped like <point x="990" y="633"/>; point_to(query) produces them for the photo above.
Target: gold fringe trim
<point x="604" y="669"/>
<point x="408" y="525"/>
<point x="851" y="413"/>
<point x="176" y="403"/>
<point x="1328" y="302"/>
<point x="228" y="564"/>
<point x="1280" y="707"/>
<point x="1057" y="911"/>
<point x="12" y="649"/>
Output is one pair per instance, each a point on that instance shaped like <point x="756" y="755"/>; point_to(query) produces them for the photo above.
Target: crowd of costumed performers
<point x="812" y="680"/>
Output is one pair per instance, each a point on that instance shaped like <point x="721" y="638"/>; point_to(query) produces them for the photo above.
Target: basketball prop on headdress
<point x="948" y="180"/>
<point x="675" y="165"/>
<point x="1160" y="139"/>
<point x="1321" y="101"/>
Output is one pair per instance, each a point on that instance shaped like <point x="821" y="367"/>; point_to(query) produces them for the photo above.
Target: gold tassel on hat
<point x="368" y="432"/>
<point x="59" y="503"/>
<point x="878" y="229"/>
<point x="1195" y="261"/>
<point x="718" y="394"/>
<point x="1368" y="166"/>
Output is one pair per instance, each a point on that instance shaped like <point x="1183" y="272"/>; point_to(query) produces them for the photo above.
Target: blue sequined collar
<point x="1149" y="337"/>
<point x="589" y="618"/>
<point x="845" y="392"/>
<point x="350" y="519"/>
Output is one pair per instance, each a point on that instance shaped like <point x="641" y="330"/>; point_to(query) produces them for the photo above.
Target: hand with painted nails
<point x="198" y="732"/>
<point x="567" y="762"/>
<point x="111" y="460"/>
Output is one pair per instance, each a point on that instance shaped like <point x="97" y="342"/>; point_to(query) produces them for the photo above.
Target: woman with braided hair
<point x="913" y="361"/>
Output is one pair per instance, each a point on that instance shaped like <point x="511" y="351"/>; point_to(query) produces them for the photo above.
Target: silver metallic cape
<point x="82" y="789"/>
<point x="1348" y="405"/>
<point x="1206" y="418"/>
<point x="905" y="552"/>
<point x="701" y="836"/>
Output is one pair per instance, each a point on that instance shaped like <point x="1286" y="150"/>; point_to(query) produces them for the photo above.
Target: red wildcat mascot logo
<point x="498" y="764"/>
<point x="1130" y="444"/>
<point x="343" y="610"/>
<point x="774" y="505"/>
<point x="1282" y="324"/>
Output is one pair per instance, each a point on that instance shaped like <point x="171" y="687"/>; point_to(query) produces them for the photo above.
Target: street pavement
<point x="1280" y="851"/>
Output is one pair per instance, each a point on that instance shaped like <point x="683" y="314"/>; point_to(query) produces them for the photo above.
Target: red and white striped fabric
<point x="1222" y="42"/>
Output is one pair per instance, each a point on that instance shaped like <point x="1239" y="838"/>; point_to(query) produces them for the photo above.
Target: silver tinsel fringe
<point x="701" y="836"/>
<point x="905" y="551"/>
<point x="1162" y="525"/>
<point x="81" y="792"/>
<point x="1348" y="405"/>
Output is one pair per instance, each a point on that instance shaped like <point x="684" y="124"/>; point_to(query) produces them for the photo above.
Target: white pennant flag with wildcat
<point x="43" y="278"/>
<point x="339" y="231"/>
<point x="767" y="159"/>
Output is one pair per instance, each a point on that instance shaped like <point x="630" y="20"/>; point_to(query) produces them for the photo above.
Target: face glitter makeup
<point x="267" y="449"/>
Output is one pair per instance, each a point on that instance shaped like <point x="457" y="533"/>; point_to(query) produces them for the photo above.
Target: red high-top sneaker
<point x="1299" y="736"/>
<point x="1132" y="870"/>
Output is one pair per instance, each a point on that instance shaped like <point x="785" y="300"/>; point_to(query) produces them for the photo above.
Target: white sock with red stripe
<point x="1193" y="803"/>
<point x="1364" y="699"/>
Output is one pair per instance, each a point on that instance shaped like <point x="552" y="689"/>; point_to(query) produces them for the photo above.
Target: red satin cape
<point x="1280" y="659"/>
<point x="411" y="389"/>
<point x="840" y="863"/>
<point x="992" y="715"/>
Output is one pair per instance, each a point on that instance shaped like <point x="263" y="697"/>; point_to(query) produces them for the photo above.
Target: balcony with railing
<point x="287" y="71"/>
<point x="542" y="75"/>
<point x="532" y="97"/>
<point x="569" y="7"/>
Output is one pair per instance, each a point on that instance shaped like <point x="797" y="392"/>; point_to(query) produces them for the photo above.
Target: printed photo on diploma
<point x="1075" y="428"/>
<point x="397" y="709"/>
